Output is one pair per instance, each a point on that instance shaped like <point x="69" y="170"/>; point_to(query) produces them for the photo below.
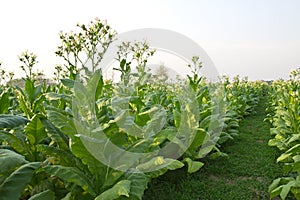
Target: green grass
<point x="245" y="174"/>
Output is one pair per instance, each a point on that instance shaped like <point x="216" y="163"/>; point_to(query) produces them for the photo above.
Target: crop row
<point x="83" y="137"/>
<point x="284" y="115"/>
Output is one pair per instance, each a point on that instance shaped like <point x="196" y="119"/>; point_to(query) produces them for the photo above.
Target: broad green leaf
<point x="94" y="82"/>
<point x="56" y="135"/>
<point x="158" y="120"/>
<point x="274" y="142"/>
<point x="296" y="158"/>
<point x="37" y="104"/>
<point x="45" y="195"/>
<point x="13" y="186"/>
<point x="274" y="184"/>
<point x="283" y="157"/>
<point x="37" y="91"/>
<point x="294" y="138"/>
<point x="64" y="157"/>
<point x="67" y="82"/>
<point x="71" y="175"/>
<point x="122" y="188"/>
<point x="142" y="118"/>
<point x="29" y="89"/>
<point x="96" y="168"/>
<point x="12" y="121"/>
<point x="9" y="161"/>
<point x="205" y="150"/>
<point x="200" y="138"/>
<point x="159" y="165"/>
<point x="193" y="166"/>
<point x="286" y="189"/>
<point x="4" y="102"/>
<point x="60" y="120"/>
<point x="163" y="135"/>
<point x="276" y="192"/>
<point x="35" y="131"/>
<point x="126" y="123"/>
<point x="16" y="141"/>
<point x="294" y="149"/>
<point x="139" y="182"/>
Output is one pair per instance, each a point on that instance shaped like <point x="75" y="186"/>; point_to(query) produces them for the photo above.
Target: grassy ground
<point x="245" y="174"/>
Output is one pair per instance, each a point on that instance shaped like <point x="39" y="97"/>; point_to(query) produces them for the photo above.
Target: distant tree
<point x="161" y="73"/>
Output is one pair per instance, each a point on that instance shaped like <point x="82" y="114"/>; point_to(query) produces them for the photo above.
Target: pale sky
<point x="256" y="38"/>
